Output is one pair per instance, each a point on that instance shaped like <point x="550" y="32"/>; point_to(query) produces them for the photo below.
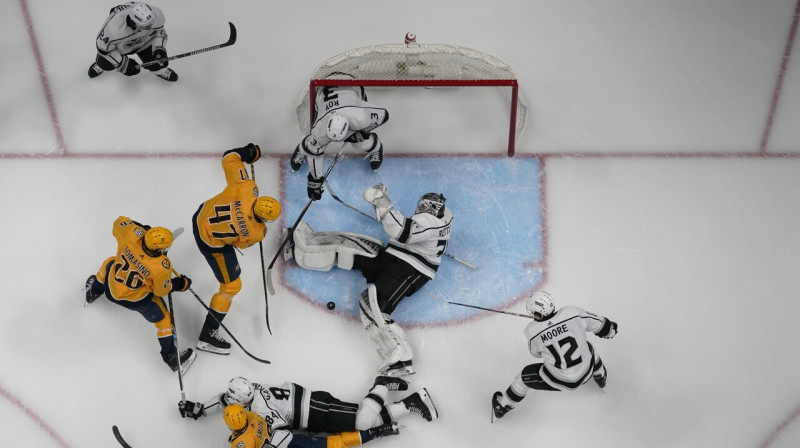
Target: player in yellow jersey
<point x="138" y="278"/>
<point x="234" y="219"/>
<point x="249" y="430"/>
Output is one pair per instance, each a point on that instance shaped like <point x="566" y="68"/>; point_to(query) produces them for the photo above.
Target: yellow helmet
<point x="235" y="416"/>
<point x="267" y="209"/>
<point x="157" y="239"/>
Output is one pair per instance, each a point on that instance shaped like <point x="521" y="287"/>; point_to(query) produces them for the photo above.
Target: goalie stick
<point x="119" y="438"/>
<point x="231" y="41"/>
<point x="510" y="313"/>
<point x="339" y="200"/>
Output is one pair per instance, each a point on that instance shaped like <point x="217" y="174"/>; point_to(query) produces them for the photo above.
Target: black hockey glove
<point x="129" y="67"/>
<point x="190" y="409"/>
<point x="250" y="153"/>
<point x="609" y="329"/>
<point x="160" y="56"/>
<point x="144" y="226"/>
<point x="314" y="188"/>
<point x="181" y="283"/>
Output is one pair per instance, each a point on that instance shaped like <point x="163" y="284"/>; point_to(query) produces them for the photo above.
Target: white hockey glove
<point x="378" y="197"/>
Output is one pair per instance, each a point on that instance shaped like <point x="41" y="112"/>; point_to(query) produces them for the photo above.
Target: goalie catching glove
<point x="191" y="409"/>
<point x="377" y="195"/>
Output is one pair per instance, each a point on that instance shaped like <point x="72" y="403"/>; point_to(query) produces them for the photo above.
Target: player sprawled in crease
<point x="394" y="272"/>
<point x="138" y="278"/>
<point x="341" y="115"/>
<point x="250" y="430"/>
<point x="133" y="28"/>
<point x="236" y="218"/>
<point x="292" y="407"/>
<point x="559" y="339"/>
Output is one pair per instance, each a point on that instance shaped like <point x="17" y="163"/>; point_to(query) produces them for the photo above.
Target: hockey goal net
<point x="418" y="65"/>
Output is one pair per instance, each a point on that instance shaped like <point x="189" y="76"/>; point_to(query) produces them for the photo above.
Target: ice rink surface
<point x="657" y="183"/>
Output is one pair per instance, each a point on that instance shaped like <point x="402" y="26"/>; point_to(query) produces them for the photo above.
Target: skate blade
<point x="211" y="349"/>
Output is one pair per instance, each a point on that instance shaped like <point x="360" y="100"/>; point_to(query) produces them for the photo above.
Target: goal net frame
<point x="418" y="65"/>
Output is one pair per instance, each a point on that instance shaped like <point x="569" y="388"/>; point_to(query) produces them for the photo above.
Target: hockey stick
<point x="263" y="361"/>
<point x="510" y="313"/>
<point x="119" y="438"/>
<point x="339" y="200"/>
<point x="297" y="221"/>
<point x="175" y="341"/>
<point x="231" y="41"/>
<point x="263" y="269"/>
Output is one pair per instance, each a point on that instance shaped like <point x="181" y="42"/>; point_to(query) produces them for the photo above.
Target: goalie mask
<point x="142" y="15"/>
<point x="540" y="305"/>
<point x="336" y="127"/>
<point x="432" y="203"/>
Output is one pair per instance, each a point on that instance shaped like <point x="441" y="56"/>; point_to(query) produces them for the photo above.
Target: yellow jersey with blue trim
<point x="228" y="218"/>
<point x="255" y="435"/>
<point x="135" y="274"/>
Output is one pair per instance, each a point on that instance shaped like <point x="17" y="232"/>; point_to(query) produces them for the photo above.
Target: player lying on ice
<point x="289" y="406"/>
<point x="250" y="430"/>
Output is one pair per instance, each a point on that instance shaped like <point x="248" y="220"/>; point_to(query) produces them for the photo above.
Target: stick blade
<point x="119" y="438"/>
<point x="232" y="39"/>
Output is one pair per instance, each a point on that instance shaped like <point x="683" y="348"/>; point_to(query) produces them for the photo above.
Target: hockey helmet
<point x="142" y="15"/>
<point x="267" y="209"/>
<point x="336" y="127"/>
<point x="540" y="305"/>
<point x="157" y="240"/>
<point x="239" y="391"/>
<point x="235" y="417"/>
<point x="432" y="203"/>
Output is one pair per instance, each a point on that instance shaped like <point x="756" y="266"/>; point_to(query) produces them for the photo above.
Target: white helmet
<point x="239" y="391"/>
<point x="540" y="305"/>
<point x="336" y="127"/>
<point x="142" y="15"/>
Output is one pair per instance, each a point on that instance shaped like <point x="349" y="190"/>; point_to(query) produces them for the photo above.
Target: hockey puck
<point x="331" y="305"/>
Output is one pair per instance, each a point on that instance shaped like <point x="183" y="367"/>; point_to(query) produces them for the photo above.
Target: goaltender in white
<point x="398" y="270"/>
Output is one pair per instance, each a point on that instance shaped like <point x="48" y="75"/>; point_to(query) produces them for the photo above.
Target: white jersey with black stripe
<point x="116" y="38"/>
<point x="561" y="343"/>
<point x="419" y="240"/>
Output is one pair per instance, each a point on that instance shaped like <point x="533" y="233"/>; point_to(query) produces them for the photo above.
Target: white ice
<point x="662" y="208"/>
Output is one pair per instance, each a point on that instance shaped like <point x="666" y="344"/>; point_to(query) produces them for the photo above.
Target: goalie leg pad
<point x="388" y="337"/>
<point x="320" y="251"/>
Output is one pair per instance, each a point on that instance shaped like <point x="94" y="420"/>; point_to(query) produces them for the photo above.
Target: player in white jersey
<point x="398" y="270"/>
<point x="133" y="28"/>
<point x="341" y="115"/>
<point x="559" y="339"/>
<point x="291" y="407"/>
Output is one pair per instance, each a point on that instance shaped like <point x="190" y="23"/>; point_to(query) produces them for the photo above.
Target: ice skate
<point x="376" y="158"/>
<point x="187" y="358"/>
<point x="168" y="75"/>
<point x="95" y="70"/>
<point x="498" y="410"/>
<point x="387" y="429"/>
<point x="400" y="368"/>
<point x="420" y="402"/>
<point x="298" y="158"/>
<point x="391" y="383"/>
<point x="210" y="341"/>
<point x="92" y="291"/>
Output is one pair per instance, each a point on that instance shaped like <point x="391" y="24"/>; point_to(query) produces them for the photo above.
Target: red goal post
<point x="418" y="65"/>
